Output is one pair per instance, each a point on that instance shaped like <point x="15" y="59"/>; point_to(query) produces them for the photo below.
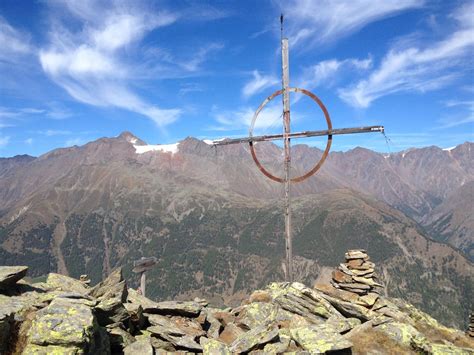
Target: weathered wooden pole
<point x="287" y="146"/>
<point x="141" y="266"/>
<point x="143" y="282"/>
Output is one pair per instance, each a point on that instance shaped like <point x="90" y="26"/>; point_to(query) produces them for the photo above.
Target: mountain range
<point x="215" y="223"/>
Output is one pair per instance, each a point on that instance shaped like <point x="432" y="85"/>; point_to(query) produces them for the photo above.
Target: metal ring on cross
<point x="328" y="144"/>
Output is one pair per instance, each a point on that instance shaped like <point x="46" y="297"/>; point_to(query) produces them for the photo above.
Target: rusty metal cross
<point x="286" y="137"/>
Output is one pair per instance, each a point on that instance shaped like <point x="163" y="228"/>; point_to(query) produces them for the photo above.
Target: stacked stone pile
<point x="357" y="274"/>
<point x="65" y="316"/>
<point x="470" y="330"/>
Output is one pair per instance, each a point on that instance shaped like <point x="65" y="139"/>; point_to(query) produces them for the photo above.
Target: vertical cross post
<point x="141" y="266"/>
<point x="287" y="146"/>
<point x="143" y="282"/>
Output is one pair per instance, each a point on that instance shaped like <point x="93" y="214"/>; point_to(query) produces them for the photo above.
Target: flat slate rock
<point x="177" y="308"/>
<point x="65" y="283"/>
<point x="254" y="338"/>
<point x="142" y="347"/>
<point x="9" y="275"/>
<point x="65" y="322"/>
<point x="319" y="339"/>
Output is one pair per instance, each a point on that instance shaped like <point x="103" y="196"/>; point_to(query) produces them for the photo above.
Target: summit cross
<point x="286" y="137"/>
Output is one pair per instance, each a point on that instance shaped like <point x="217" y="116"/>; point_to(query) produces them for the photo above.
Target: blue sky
<point x="74" y="71"/>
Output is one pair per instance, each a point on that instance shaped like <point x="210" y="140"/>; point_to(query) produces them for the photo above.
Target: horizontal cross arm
<point x="271" y="137"/>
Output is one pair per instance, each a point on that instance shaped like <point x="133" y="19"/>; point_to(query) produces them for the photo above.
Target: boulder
<point x="402" y="333"/>
<point x="9" y="275"/>
<point x="142" y="347"/>
<point x="65" y="283"/>
<point x="66" y="323"/>
<point x="108" y="285"/>
<point x="134" y="297"/>
<point x="213" y="347"/>
<point x="299" y="299"/>
<point x="111" y="294"/>
<point x="255" y="338"/>
<point x="319" y="339"/>
<point x="230" y="333"/>
<point x="179" y="332"/>
<point x="280" y="346"/>
<point x="256" y="314"/>
<point x="349" y="309"/>
<point x="177" y="308"/>
<point x="212" y="324"/>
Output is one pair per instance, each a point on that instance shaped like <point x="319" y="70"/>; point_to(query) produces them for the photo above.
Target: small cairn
<point x="357" y="274"/>
<point x="470" y="330"/>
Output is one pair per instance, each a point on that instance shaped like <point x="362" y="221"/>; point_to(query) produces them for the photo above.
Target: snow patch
<point x="132" y="140"/>
<point x="449" y="149"/>
<point x="211" y="142"/>
<point x="167" y="148"/>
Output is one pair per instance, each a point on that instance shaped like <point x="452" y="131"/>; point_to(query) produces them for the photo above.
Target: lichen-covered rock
<point x="443" y="349"/>
<point x="349" y="309"/>
<point x="257" y="313"/>
<point x="213" y="347"/>
<point x="281" y="346"/>
<point x="342" y="325"/>
<point x="254" y="338"/>
<point x="319" y="339"/>
<point x="9" y="275"/>
<point x="299" y="299"/>
<point x="111" y="294"/>
<point x="178" y="331"/>
<point x="67" y="323"/>
<point x="141" y="346"/>
<point x="52" y="350"/>
<point x="65" y="283"/>
<point x="402" y="333"/>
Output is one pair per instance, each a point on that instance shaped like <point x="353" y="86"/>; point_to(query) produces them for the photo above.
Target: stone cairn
<point x="470" y="330"/>
<point x="357" y="274"/>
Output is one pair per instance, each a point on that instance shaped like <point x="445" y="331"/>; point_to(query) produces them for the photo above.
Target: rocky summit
<point x="66" y="316"/>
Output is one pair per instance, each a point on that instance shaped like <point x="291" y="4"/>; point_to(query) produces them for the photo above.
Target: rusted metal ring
<point x="328" y="144"/>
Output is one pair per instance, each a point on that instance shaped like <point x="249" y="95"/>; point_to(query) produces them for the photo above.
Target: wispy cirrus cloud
<point x="241" y="118"/>
<point x="417" y="68"/>
<point x="327" y="71"/>
<point x="258" y="83"/>
<point x="90" y="63"/>
<point x="464" y="114"/>
<point x="324" y="21"/>
<point x="14" y="42"/>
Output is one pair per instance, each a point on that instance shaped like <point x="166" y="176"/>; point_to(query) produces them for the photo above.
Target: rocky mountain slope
<point x="215" y="224"/>
<point x="66" y="316"/>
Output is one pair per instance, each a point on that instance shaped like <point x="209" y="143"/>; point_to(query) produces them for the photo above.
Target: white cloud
<point x="90" y="64"/>
<point x="54" y="132"/>
<point x="200" y="56"/>
<point x="258" y="84"/>
<point x="4" y="140"/>
<point x="29" y="141"/>
<point x="415" y="69"/>
<point x="466" y="114"/>
<point x="13" y="42"/>
<point x="322" y="21"/>
<point x="241" y="118"/>
<point x="328" y="70"/>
